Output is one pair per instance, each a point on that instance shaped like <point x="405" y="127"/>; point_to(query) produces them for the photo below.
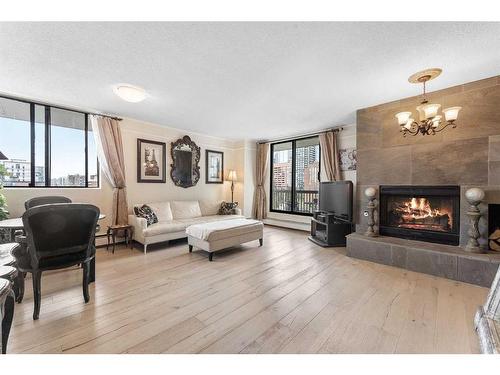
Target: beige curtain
<point x="259" y="201"/>
<point x="330" y="155"/>
<point x="109" y="146"/>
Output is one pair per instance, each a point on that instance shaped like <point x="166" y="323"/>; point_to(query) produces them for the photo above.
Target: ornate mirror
<point x="185" y="171"/>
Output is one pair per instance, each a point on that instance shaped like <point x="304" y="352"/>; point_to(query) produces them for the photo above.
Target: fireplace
<point x="424" y="213"/>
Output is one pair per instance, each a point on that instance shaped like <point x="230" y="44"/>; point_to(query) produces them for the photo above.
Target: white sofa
<point x="173" y="219"/>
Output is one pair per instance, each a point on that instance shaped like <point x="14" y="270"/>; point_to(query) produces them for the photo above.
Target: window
<point x="67" y="148"/>
<point x="45" y="146"/>
<point x="295" y="176"/>
<point x="15" y="144"/>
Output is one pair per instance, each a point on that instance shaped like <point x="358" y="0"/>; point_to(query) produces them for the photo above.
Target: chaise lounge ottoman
<point x="220" y="235"/>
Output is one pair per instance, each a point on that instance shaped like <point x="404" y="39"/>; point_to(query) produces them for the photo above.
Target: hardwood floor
<point x="289" y="296"/>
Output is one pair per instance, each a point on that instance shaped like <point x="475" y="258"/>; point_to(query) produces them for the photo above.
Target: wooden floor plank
<point x="289" y="296"/>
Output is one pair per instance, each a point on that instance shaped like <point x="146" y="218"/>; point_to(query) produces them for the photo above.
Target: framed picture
<point x="151" y="161"/>
<point x="348" y="159"/>
<point x="214" y="163"/>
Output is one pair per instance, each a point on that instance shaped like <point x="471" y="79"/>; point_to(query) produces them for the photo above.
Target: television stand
<point x="329" y="230"/>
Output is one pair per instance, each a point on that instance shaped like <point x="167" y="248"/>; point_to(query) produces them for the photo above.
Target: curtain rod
<point x="24" y="100"/>
<point x="305" y="135"/>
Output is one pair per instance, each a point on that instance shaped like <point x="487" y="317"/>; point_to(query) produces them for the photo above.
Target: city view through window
<point x="295" y="186"/>
<point x="66" y="147"/>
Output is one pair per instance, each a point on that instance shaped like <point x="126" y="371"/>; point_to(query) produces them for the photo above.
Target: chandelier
<point x="429" y="122"/>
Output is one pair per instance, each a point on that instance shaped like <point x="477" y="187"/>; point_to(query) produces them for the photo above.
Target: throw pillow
<point x="227" y="208"/>
<point x="147" y="213"/>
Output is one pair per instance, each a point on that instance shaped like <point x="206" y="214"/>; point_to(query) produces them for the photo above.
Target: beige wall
<point x="244" y="163"/>
<point x="234" y="158"/>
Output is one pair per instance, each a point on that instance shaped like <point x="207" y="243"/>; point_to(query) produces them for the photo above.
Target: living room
<point x="250" y="188"/>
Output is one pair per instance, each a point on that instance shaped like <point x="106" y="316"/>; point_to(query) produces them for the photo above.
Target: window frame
<point x="47" y="142"/>
<point x="294" y="167"/>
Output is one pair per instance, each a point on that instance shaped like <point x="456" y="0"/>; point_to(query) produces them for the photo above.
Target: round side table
<point x="114" y="229"/>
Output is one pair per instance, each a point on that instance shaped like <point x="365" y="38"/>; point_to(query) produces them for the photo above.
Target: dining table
<point x="14" y="224"/>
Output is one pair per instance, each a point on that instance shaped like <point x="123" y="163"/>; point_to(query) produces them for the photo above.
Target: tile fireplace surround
<point x="467" y="156"/>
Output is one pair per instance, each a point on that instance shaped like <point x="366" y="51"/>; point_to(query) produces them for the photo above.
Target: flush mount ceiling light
<point x="430" y="122"/>
<point x="130" y="93"/>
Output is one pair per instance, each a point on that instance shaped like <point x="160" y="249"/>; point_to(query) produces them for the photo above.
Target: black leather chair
<point x="49" y="199"/>
<point x="57" y="236"/>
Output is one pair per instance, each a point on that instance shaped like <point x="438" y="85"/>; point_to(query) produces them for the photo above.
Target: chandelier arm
<point x="437" y="130"/>
<point x="414" y="128"/>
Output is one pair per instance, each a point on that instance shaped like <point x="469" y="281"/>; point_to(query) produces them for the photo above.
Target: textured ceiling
<point x="240" y="80"/>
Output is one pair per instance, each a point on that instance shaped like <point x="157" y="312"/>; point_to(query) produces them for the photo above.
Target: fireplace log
<point x="495" y="240"/>
<point x="495" y="235"/>
<point x="494" y="245"/>
<point x="434" y="220"/>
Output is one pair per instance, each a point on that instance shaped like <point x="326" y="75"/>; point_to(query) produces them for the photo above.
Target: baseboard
<point x="288" y="224"/>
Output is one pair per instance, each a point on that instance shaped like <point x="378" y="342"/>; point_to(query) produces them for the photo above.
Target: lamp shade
<point x="451" y="114"/>
<point x="232" y="175"/>
<point x="428" y="111"/>
<point x="403" y="117"/>
<point x="436" y="121"/>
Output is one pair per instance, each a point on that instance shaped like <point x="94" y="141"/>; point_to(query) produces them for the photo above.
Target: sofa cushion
<point x="162" y="211"/>
<point x="147" y="213"/>
<point x="227" y="208"/>
<point x="185" y="209"/>
<point x="163" y="228"/>
<point x="209" y="208"/>
<point x="193" y="220"/>
<point x="222" y="217"/>
<point x="208" y="219"/>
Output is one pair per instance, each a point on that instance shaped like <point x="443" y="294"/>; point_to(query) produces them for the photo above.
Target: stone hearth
<point x="446" y="261"/>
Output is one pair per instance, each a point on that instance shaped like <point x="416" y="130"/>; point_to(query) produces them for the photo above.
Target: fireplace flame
<point x="418" y="209"/>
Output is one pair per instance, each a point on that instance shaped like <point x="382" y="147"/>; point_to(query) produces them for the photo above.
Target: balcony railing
<point x="306" y="201"/>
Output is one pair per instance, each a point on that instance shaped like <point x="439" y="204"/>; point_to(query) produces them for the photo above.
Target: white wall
<point x="237" y="155"/>
<point x="346" y="139"/>
<point x="234" y="158"/>
<point x="151" y="192"/>
<point x="101" y="197"/>
<point x="244" y="162"/>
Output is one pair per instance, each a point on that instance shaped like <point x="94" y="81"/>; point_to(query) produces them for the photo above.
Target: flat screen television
<point x="336" y="197"/>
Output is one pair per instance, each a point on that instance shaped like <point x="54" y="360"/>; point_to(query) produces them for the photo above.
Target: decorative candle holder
<point x="370" y="193"/>
<point x="474" y="196"/>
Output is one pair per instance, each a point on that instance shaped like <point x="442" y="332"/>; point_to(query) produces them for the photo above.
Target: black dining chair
<point x="57" y="236"/>
<point x="48" y="199"/>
